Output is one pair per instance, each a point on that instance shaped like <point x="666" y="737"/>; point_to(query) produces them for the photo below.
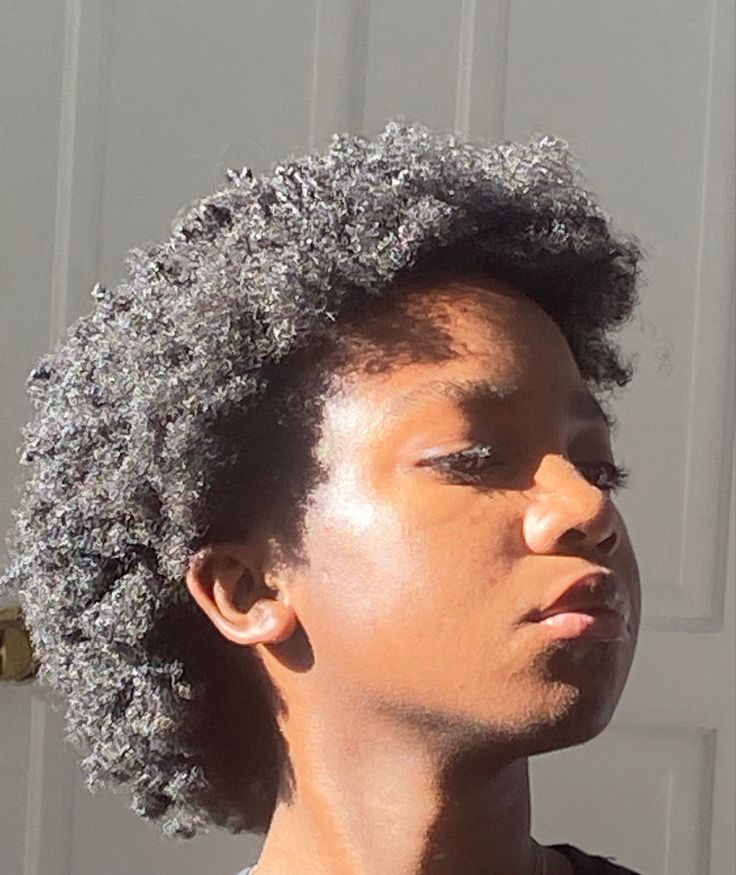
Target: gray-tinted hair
<point x="126" y="443"/>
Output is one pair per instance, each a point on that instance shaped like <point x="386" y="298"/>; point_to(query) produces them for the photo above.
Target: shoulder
<point x="584" y="864"/>
<point x="589" y="864"/>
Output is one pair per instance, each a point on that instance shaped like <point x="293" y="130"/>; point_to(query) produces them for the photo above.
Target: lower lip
<point x="600" y="626"/>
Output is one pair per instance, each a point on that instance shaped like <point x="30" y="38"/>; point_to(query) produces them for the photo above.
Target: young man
<point x="320" y="537"/>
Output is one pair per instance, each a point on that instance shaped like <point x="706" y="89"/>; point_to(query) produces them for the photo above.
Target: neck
<point x="371" y="796"/>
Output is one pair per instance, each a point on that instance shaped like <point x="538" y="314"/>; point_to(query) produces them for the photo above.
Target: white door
<point x="115" y="115"/>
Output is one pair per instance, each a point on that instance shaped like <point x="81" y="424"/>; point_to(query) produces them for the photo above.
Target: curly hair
<point x="185" y="405"/>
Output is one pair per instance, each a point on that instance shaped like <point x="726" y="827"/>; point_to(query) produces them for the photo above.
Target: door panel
<point x="117" y="115"/>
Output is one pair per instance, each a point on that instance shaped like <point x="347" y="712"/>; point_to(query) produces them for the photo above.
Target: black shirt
<point x="587" y="864"/>
<point x="583" y="864"/>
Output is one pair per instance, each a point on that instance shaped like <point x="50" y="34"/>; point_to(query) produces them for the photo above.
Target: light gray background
<point x="114" y="115"/>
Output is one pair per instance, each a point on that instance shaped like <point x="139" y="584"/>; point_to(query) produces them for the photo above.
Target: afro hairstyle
<point x="155" y="404"/>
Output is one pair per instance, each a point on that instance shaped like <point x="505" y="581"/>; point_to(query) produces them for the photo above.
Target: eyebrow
<point x="583" y="405"/>
<point x="456" y="390"/>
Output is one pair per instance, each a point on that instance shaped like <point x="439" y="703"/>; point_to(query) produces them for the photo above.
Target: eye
<point x="473" y="465"/>
<point x="606" y="476"/>
<point x="466" y="466"/>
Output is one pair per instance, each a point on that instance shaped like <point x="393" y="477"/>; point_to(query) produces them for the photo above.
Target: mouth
<point x="596" y="625"/>
<point x="593" y="606"/>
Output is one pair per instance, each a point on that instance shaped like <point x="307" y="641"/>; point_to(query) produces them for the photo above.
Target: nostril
<point x="608" y="545"/>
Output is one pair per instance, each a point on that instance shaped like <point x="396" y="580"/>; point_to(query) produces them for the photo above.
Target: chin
<point x="585" y="721"/>
<point x="572" y="706"/>
<point x="556" y="732"/>
<point x="577" y="716"/>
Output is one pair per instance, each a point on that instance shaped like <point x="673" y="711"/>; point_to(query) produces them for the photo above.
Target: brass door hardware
<point x="16" y="653"/>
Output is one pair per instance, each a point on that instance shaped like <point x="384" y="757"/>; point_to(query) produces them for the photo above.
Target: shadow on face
<point x="461" y="492"/>
<point x="438" y="475"/>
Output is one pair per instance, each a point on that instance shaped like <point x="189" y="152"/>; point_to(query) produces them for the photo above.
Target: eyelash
<point x="471" y="464"/>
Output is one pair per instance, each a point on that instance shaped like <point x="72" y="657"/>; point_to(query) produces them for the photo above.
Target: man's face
<point x="444" y="521"/>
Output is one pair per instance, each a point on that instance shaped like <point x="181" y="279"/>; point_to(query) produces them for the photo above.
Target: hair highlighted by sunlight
<point x="183" y="408"/>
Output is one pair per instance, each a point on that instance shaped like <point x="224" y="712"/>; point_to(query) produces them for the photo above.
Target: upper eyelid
<point x="620" y="472"/>
<point x="467" y="452"/>
<point x="448" y="468"/>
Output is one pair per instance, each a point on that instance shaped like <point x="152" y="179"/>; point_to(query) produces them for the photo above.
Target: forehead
<point x="504" y="346"/>
<point x="492" y="328"/>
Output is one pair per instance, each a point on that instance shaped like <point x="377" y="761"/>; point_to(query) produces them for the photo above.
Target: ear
<point x="236" y="587"/>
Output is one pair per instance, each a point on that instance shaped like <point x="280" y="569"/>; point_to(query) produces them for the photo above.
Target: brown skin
<point x="415" y="691"/>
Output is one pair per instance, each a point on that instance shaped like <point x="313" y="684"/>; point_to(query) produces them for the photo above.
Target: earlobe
<point x="228" y="584"/>
<point x="274" y="622"/>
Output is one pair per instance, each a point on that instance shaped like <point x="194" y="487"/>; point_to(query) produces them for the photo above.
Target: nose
<point x="567" y="512"/>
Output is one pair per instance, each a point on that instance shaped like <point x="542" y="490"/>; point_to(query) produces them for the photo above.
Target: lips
<point x="594" y="593"/>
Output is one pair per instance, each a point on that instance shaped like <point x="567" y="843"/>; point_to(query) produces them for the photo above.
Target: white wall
<point x="114" y="115"/>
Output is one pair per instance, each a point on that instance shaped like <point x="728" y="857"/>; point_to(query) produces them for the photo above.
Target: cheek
<point x="363" y="567"/>
<point x="386" y="578"/>
<point x="628" y="569"/>
<point x="469" y="540"/>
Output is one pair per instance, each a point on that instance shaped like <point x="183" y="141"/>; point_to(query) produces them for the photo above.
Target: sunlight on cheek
<point x="348" y="428"/>
<point x="363" y="555"/>
<point x="348" y="502"/>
